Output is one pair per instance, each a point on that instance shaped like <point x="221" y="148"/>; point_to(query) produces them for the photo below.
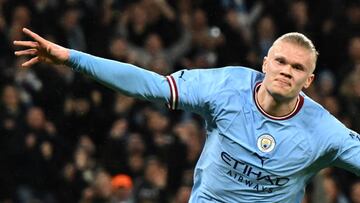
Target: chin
<point x="282" y="90"/>
<point x="282" y="86"/>
<point x="280" y="95"/>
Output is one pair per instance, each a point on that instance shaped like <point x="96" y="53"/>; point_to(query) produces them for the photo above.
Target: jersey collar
<point x="299" y="104"/>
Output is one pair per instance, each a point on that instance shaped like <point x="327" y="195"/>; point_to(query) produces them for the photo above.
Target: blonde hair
<point x="301" y="40"/>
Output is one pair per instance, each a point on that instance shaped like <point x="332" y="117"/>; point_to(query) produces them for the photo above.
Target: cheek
<point x="269" y="69"/>
<point x="302" y="83"/>
<point x="275" y="69"/>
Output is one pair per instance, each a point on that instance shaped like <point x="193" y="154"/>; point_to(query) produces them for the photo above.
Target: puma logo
<point x="262" y="158"/>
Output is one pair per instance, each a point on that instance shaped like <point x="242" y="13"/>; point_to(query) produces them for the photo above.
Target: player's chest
<point x="279" y="147"/>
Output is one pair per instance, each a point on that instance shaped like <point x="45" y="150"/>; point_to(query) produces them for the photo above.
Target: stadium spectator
<point x="57" y="90"/>
<point x="355" y="192"/>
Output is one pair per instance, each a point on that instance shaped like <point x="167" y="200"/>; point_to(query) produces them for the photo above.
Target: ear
<point x="309" y="80"/>
<point x="264" y="65"/>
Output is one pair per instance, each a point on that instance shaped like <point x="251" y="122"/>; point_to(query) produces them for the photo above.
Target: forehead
<point x="293" y="53"/>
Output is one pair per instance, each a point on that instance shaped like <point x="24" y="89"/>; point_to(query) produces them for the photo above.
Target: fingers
<point x="27" y="44"/>
<point x="35" y="36"/>
<point x="30" y="62"/>
<point x="33" y="44"/>
<point x="26" y="52"/>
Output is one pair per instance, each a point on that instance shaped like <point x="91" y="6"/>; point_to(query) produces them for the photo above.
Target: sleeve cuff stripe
<point x="174" y="92"/>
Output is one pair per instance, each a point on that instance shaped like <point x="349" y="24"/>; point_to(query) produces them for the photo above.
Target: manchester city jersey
<point x="248" y="156"/>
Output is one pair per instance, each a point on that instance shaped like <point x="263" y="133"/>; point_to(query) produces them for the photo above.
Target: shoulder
<point x="322" y="121"/>
<point x="237" y="72"/>
<point x="318" y="113"/>
<point x="234" y="76"/>
<point x="325" y="132"/>
<point x="312" y="108"/>
<point x="223" y="77"/>
<point x="221" y="72"/>
<point x="236" y="80"/>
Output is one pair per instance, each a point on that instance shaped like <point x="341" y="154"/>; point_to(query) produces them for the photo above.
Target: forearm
<point x="123" y="77"/>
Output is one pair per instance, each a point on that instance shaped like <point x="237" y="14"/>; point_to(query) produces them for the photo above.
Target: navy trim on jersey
<point x="299" y="104"/>
<point x="174" y="92"/>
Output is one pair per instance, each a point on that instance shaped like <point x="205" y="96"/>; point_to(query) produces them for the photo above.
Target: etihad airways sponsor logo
<point x="252" y="177"/>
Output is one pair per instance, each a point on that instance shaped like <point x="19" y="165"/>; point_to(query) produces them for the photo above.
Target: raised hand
<point x="41" y="50"/>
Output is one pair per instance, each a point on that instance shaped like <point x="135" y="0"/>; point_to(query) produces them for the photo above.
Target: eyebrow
<point x="292" y="64"/>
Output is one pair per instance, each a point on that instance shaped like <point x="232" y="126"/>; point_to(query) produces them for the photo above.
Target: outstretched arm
<point x="126" y="78"/>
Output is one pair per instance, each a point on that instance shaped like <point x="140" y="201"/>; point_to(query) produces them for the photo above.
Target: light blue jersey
<point x="248" y="156"/>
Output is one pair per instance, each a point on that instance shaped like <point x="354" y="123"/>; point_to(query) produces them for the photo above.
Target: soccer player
<point x="265" y="137"/>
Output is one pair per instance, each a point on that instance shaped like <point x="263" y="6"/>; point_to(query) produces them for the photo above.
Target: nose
<point x="286" y="71"/>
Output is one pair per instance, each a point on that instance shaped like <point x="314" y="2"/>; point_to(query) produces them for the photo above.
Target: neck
<point x="275" y="106"/>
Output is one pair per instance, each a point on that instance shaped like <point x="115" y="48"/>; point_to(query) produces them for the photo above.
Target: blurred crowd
<point x="66" y="138"/>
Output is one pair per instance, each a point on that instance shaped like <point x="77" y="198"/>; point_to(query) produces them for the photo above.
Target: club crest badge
<point x="266" y="143"/>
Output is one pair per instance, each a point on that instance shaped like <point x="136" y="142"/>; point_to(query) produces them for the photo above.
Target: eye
<point x="298" y="67"/>
<point x="280" y="61"/>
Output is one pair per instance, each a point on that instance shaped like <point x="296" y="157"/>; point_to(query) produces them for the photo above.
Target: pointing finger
<point x="33" y="35"/>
